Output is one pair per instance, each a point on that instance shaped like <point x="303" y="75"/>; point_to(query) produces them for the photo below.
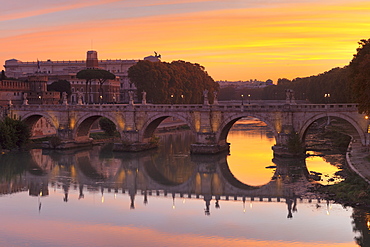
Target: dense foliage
<point x="175" y="82"/>
<point x="360" y="76"/>
<point x="108" y="126"/>
<point x="329" y="87"/>
<point x="61" y="86"/>
<point x="13" y="134"/>
<point x="353" y="190"/>
<point x="334" y="83"/>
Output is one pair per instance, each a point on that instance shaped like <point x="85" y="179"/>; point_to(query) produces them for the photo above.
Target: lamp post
<point x="367" y="132"/>
<point x="242" y="96"/>
<point x="171" y="99"/>
<point x="182" y="98"/>
<point x="249" y="99"/>
<point x="327" y="96"/>
<point x="40" y="99"/>
<point x="101" y="99"/>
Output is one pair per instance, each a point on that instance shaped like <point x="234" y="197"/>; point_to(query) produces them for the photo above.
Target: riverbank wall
<point x="357" y="157"/>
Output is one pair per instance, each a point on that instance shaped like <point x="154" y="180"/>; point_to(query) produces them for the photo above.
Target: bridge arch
<point x="84" y="124"/>
<point x="229" y="122"/>
<point x="360" y="131"/>
<point x="153" y="122"/>
<point x="30" y="119"/>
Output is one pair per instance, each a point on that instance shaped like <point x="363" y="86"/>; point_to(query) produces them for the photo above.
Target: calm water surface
<point x="166" y="197"/>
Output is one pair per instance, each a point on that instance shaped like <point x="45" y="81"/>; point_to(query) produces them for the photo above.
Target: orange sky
<point x="233" y="39"/>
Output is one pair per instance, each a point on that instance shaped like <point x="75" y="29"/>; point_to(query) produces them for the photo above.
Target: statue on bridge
<point x="143" y="100"/>
<point x="215" y="100"/>
<point x="131" y="97"/>
<point x="205" y="96"/>
<point x="79" y="98"/>
<point x="25" y="100"/>
<point x="290" y="99"/>
<point x="64" y="97"/>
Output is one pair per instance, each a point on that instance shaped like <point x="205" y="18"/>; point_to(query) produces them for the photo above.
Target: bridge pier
<point x="206" y="144"/>
<point x="289" y="144"/>
<point x="130" y="142"/>
<point x="65" y="133"/>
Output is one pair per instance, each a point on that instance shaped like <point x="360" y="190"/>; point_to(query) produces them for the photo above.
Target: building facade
<point x="32" y="90"/>
<point x="67" y="70"/>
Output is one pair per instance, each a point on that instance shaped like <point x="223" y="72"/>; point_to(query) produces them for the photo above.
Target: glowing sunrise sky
<point x="233" y="39"/>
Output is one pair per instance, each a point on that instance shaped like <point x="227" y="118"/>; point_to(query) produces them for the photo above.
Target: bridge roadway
<point x="210" y="124"/>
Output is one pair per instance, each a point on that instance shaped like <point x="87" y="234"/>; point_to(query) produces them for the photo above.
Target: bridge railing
<point x="224" y="106"/>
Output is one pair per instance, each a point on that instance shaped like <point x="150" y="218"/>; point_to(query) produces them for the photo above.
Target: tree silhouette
<point x="360" y="76"/>
<point x="175" y="82"/>
<point x="95" y="74"/>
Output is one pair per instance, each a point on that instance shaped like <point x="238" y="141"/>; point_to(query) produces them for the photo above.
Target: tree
<point x="175" y="82"/>
<point x="335" y="82"/>
<point x="13" y="133"/>
<point x="107" y="125"/>
<point x="360" y="76"/>
<point x="227" y="93"/>
<point x="95" y="74"/>
<point x="102" y="77"/>
<point x="61" y="86"/>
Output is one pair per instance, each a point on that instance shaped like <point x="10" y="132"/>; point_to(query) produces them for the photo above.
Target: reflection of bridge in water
<point x="201" y="177"/>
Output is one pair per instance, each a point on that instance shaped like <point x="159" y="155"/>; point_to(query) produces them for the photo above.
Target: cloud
<point x="267" y="41"/>
<point x="20" y="13"/>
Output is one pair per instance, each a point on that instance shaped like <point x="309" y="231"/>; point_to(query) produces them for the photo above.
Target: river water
<point x="167" y="197"/>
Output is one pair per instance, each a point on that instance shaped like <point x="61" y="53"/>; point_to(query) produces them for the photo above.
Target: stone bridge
<point x="210" y="124"/>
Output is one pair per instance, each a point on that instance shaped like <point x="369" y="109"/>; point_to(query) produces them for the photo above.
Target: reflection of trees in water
<point x="291" y="169"/>
<point x="361" y="225"/>
<point x="16" y="163"/>
<point x="98" y="163"/>
<point x="171" y="163"/>
<point x="84" y="164"/>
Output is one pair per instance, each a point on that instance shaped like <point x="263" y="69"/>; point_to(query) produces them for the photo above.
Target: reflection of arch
<point x="84" y="124"/>
<point x="83" y="163"/>
<point x="229" y="122"/>
<point x="157" y="176"/>
<point x="351" y="121"/>
<point x="231" y="179"/>
<point x="152" y="123"/>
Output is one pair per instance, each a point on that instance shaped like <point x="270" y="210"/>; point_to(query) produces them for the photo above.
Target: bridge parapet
<point x="210" y="123"/>
<point x="189" y="107"/>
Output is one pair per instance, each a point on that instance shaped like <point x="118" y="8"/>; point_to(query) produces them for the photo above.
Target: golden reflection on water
<point x="318" y="164"/>
<point x="250" y="152"/>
